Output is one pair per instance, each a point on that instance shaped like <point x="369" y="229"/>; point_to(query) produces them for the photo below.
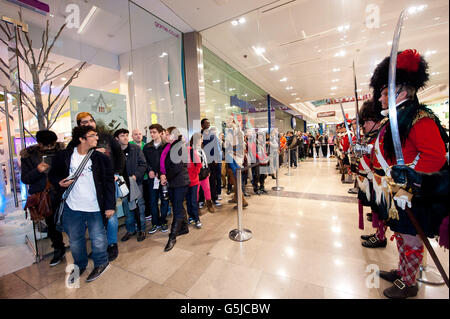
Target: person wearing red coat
<point x="194" y="167"/>
<point x="423" y="145"/>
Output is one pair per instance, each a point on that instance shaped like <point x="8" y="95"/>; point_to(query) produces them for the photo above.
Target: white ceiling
<point x="301" y="37"/>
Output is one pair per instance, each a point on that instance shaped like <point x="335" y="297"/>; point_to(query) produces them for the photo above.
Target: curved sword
<point x="358" y="136"/>
<point x="391" y="91"/>
<point x="346" y="126"/>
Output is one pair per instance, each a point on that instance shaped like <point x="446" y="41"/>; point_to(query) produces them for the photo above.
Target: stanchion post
<point x="289" y="163"/>
<point x="239" y="234"/>
<point x="428" y="276"/>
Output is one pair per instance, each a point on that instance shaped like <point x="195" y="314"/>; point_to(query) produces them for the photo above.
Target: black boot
<point x="113" y="252"/>
<point x="174" y="229"/>
<point x="183" y="228"/>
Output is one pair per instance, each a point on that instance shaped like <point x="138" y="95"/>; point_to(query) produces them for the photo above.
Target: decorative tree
<point x="41" y="72"/>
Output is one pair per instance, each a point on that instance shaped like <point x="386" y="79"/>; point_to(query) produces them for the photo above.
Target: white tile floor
<point x="301" y="248"/>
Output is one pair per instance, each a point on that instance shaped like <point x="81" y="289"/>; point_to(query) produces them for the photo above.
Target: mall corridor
<point x="305" y="245"/>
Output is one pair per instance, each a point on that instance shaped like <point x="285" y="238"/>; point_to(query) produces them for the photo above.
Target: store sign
<point x="35" y="5"/>
<point x="164" y="28"/>
<point x="326" y="114"/>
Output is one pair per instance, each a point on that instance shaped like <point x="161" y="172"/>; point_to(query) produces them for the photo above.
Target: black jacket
<point x="102" y="172"/>
<point x="31" y="157"/>
<point x="153" y="156"/>
<point x="113" y="151"/>
<point x="177" y="172"/>
<point x="135" y="163"/>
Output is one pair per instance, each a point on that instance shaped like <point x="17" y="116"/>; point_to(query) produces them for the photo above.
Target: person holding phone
<point x="36" y="161"/>
<point x="90" y="203"/>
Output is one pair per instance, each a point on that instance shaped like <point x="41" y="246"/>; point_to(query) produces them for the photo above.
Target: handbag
<point x="204" y="173"/>
<point x="39" y="205"/>
<point x="77" y="174"/>
<point x="121" y="187"/>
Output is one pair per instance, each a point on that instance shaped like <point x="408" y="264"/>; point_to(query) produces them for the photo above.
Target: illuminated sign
<point x="35" y="5"/>
<point x="326" y="114"/>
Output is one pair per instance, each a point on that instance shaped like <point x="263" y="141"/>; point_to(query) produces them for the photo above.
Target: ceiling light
<point x="150" y="89"/>
<point x="130" y="73"/>
<point x="283" y="79"/>
<point x="336" y="69"/>
<point x="293" y="94"/>
<point x="289" y="88"/>
<point x="87" y="19"/>
<point x="177" y="94"/>
<point x="253" y="100"/>
<point x="340" y="54"/>
<point x="259" y="50"/>
<point x="63" y="79"/>
<point x="232" y="89"/>
<point x="416" y="9"/>
<point x="245" y="94"/>
<point x="92" y="94"/>
<point x="167" y="82"/>
<point x="334" y="88"/>
<point x="275" y="68"/>
<point x="163" y="55"/>
<point x="437" y="18"/>
<point x="242" y="20"/>
<point x="358" y="90"/>
<point x="435" y="73"/>
<point x="163" y="99"/>
<point x="343" y="28"/>
<point x="234" y="22"/>
<point x="430" y="52"/>
<point x="335" y="80"/>
<point x="389" y="43"/>
<point x="216" y="81"/>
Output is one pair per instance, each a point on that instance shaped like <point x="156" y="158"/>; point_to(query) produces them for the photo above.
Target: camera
<point x="165" y="191"/>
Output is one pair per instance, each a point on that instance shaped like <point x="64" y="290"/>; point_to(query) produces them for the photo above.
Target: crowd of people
<point x="395" y="192"/>
<point x="167" y="174"/>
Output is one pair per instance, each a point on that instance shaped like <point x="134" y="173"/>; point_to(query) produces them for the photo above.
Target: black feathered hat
<point x="370" y="111"/>
<point x="412" y="71"/>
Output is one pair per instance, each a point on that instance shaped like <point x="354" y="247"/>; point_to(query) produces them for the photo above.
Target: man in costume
<point x="370" y="117"/>
<point x="423" y="145"/>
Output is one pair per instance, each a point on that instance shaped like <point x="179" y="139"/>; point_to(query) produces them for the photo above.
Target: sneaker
<point x="191" y="220"/>
<point x="97" y="272"/>
<point x="153" y="229"/>
<point x="127" y="236"/>
<point x="201" y="204"/>
<point x="58" y="256"/>
<point x="217" y="203"/>
<point x="198" y="224"/>
<point x="141" y="236"/>
<point x="164" y="228"/>
<point x="113" y="252"/>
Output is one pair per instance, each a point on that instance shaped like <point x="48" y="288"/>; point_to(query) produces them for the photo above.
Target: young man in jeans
<point x="135" y="168"/>
<point x="152" y="152"/>
<point x="91" y="201"/>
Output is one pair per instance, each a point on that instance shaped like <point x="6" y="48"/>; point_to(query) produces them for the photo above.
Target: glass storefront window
<point x="229" y="94"/>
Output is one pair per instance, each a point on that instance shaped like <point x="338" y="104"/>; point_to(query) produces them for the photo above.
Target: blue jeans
<point x="219" y="179"/>
<point x="156" y="194"/>
<point x="75" y="223"/>
<point x="130" y="220"/>
<point x="177" y="196"/>
<point x="192" y="202"/>
<point x="112" y="228"/>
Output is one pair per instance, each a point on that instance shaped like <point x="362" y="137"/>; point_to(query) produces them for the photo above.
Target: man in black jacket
<point x="152" y="152"/>
<point x="111" y="148"/>
<point x="36" y="161"/>
<point x="134" y="171"/>
<point x="91" y="201"/>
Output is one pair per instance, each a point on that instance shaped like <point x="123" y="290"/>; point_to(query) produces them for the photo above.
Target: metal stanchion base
<point x="243" y="235"/>
<point x="279" y="188"/>
<point x="428" y="276"/>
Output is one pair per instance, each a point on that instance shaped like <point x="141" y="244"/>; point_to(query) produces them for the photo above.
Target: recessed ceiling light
<point x="430" y="52"/>
<point x="163" y="99"/>
<point x="275" y="68"/>
<point x="343" y="28"/>
<point x="163" y="55"/>
<point x="150" y="89"/>
<point x="437" y="18"/>
<point x="340" y="53"/>
<point x="358" y="90"/>
<point x="283" y="79"/>
<point x="389" y="43"/>
<point x="289" y="88"/>
<point x="167" y="82"/>
<point x="63" y="79"/>
<point x="253" y="100"/>
<point x="435" y="73"/>
<point x="130" y="73"/>
<point x="242" y="20"/>
<point x="336" y="69"/>
<point x="416" y="9"/>
<point x="334" y="88"/>
<point x="232" y="89"/>
<point x="335" y="80"/>
<point x="259" y="50"/>
<point x="293" y="94"/>
<point x="216" y="81"/>
<point x="234" y="22"/>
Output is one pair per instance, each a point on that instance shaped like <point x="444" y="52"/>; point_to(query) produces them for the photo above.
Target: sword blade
<point x="358" y="136"/>
<point x="391" y="91"/>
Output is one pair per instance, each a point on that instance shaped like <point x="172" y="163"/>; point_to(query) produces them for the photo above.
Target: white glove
<point x="402" y="201"/>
